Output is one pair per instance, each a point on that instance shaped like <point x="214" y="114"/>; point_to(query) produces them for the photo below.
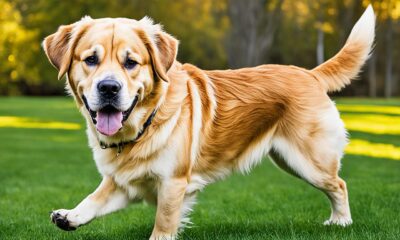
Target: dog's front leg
<point x="107" y="198"/>
<point x="169" y="203"/>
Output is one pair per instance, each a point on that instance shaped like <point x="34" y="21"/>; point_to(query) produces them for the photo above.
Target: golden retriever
<point x="161" y="131"/>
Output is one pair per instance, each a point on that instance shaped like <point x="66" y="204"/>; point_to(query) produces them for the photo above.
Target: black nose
<point x="108" y="88"/>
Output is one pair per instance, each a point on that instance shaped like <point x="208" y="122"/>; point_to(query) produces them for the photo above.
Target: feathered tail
<point x="338" y="71"/>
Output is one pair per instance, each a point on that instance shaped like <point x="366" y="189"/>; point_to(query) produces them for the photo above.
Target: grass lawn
<point x="45" y="164"/>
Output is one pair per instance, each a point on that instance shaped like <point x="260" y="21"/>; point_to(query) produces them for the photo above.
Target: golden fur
<point x="208" y="124"/>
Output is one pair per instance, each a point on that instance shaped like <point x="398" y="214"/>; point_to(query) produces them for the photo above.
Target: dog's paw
<point x="343" y="222"/>
<point x="60" y="219"/>
<point x="163" y="237"/>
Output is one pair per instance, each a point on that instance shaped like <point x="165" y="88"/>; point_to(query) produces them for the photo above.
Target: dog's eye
<point x="130" y="64"/>
<point x="92" y="60"/>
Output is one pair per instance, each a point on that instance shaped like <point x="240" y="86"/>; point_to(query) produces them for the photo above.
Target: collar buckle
<point x="103" y="145"/>
<point x="120" y="148"/>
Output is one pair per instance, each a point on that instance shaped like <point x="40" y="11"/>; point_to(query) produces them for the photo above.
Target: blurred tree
<point x="253" y="27"/>
<point x="388" y="13"/>
<point x="212" y="34"/>
<point x="199" y="25"/>
<point x="17" y="53"/>
<point x="392" y="14"/>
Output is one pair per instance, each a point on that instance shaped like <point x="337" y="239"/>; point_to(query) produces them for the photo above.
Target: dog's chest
<point x="135" y="174"/>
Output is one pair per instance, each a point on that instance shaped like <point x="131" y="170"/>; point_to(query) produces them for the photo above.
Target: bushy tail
<point x="338" y="71"/>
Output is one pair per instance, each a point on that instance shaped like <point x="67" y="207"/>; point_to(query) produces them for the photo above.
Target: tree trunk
<point x="320" y="40"/>
<point x="372" y="76"/>
<point x="252" y="31"/>
<point x="345" y="18"/>
<point x="389" y="58"/>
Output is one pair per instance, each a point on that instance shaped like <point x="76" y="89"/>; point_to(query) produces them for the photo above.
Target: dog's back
<point x="284" y="111"/>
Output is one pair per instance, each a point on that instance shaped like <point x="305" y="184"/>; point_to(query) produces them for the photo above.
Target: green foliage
<point x="204" y="29"/>
<point x="24" y="69"/>
<point x="17" y="53"/>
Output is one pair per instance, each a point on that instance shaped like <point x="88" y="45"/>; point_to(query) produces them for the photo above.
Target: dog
<point x="161" y="130"/>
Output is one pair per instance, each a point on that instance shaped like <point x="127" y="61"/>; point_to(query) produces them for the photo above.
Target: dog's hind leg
<point x="326" y="180"/>
<point x="316" y="160"/>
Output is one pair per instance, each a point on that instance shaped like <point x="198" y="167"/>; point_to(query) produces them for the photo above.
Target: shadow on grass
<point x="392" y="139"/>
<point x="344" y="112"/>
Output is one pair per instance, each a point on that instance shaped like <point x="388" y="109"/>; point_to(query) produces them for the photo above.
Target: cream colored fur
<point x="208" y="123"/>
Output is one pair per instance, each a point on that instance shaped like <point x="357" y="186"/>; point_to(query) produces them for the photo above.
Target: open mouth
<point x="109" y="120"/>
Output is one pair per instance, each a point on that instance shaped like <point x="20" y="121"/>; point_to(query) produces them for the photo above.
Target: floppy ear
<point x="161" y="46"/>
<point x="59" y="46"/>
<point x="167" y="49"/>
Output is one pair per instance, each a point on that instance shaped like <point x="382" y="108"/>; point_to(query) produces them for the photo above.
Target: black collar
<point x="121" y="145"/>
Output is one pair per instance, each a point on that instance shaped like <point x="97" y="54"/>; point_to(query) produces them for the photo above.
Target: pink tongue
<point x="109" y="123"/>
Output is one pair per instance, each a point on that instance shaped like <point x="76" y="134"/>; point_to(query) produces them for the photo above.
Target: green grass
<point x="45" y="169"/>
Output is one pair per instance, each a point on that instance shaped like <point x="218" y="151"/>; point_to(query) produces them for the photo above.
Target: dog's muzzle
<point x="109" y="119"/>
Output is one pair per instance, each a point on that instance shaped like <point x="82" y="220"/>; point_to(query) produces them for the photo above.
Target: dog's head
<point x="116" y="69"/>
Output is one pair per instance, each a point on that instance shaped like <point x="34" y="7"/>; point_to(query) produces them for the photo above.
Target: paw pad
<point x="61" y="221"/>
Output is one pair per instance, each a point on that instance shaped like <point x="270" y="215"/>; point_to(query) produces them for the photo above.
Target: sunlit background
<point x="43" y="147"/>
<point x="213" y="34"/>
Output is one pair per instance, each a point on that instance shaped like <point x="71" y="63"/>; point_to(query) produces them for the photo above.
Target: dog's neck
<point x="120" y="145"/>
